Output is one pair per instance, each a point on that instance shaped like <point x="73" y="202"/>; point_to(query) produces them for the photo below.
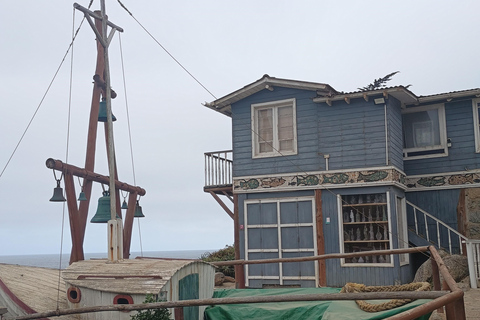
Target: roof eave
<point x="223" y="105"/>
<point x="450" y="95"/>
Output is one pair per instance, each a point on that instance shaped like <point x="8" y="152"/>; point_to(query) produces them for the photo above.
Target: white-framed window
<point x="476" y="123"/>
<point x="424" y="132"/>
<point x="274" y="128"/>
<point x="280" y="228"/>
<point x="402" y="231"/>
<point x="365" y="225"/>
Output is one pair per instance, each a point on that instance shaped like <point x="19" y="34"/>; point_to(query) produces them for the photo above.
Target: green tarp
<point x="325" y="310"/>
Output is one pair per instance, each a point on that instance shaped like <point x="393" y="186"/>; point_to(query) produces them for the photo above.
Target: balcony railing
<point x="218" y="168"/>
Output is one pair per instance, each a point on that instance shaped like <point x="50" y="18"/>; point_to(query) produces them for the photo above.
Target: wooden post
<point x="91" y="143"/>
<point x="322" y="268"/>
<point x="436" y="278"/>
<point x="462" y="218"/>
<point x="77" y="250"/>
<point x="127" y="231"/>
<point x="449" y="307"/>
<point x="239" y="269"/>
<point x="178" y="313"/>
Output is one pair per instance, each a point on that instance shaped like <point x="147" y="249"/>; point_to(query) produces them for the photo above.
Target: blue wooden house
<point x="316" y="171"/>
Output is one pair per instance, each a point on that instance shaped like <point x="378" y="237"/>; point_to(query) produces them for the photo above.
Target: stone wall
<point x="472" y="212"/>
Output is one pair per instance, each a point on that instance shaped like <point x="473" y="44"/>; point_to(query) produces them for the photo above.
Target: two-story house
<point x="315" y="171"/>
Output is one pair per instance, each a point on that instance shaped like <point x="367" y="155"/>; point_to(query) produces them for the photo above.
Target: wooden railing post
<point x="178" y="313"/>
<point x="436" y="279"/>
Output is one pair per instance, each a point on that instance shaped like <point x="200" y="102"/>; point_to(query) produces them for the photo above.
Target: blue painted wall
<point x="337" y="276"/>
<point x="307" y="146"/>
<point x="395" y="134"/>
<point x="461" y="155"/>
<point x="352" y="134"/>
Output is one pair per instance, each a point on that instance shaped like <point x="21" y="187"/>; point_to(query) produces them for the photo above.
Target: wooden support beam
<point x="246" y="300"/>
<point x="385" y="94"/>
<point x="329" y="102"/>
<point x="322" y="267"/>
<point x="222" y="204"/>
<point x="239" y="270"/>
<point x="128" y="224"/>
<point x="77" y="247"/>
<point x="91" y="139"/>
<point x="322" y="257"/>
<point x="365" y="97"/>
<point x="347" y="100"/>
<point x="227" y="195"/>
<point x="83" y="173"/>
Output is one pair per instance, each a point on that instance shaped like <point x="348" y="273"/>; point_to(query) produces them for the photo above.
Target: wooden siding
<point x="353" y="135"/>
<point x="305" y="160"/>
<point x="461" y="155"/>
<point x="337" y="275"/>
<point x="395" y="133"/>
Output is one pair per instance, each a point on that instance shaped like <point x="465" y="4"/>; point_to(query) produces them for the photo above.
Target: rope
<point x="352" y="287"/>
<point x="129" y="129"/>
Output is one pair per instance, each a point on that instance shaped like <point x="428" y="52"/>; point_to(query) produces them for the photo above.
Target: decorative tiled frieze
<point x="444" y="181"/>
<point x="318" y="180"/>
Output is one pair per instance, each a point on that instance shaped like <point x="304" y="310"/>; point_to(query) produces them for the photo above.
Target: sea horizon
<point x="55" y="261"/>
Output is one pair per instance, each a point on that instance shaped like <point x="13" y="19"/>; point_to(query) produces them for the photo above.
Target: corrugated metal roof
<point x="327" y="94"/>
<point x="451" y="94"/>
<point x="131" y="276"/>
<point x="399" y="92"/>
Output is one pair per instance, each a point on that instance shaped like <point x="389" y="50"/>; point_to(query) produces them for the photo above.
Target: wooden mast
<point x="78" y="215"/>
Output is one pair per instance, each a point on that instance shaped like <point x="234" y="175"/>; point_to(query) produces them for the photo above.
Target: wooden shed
<point x="99" y="282"/>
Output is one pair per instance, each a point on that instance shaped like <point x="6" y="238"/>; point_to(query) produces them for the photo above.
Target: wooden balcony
<point x="218" y="176"/>
<point x="218" y="172"/>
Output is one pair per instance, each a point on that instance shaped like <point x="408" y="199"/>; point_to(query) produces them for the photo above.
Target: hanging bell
<point x="102" y="112"/>
<point x="103" y="210"/>
<point x="124" y="204"/>
<point x="138" y="211"/>
<point x="82" y="197"/>
<point x="58" y="194"/>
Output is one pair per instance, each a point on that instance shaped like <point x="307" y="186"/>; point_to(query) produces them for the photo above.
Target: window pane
<point x="265" y="130"/>
<point x="285" y="128"/>
<point x="421" y="129"/>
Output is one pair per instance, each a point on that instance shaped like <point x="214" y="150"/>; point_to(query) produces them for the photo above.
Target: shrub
<point x="151" y="314"/>
<point x="225" y="254"/>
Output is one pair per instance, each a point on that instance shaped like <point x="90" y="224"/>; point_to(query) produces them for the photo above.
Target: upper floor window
<point x="274" y="129"/>
<point x="424" y="132"/>
<point x="476" y="123"/>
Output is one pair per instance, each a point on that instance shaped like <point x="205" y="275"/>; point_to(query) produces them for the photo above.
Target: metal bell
<point x="58" y="194"/>
<point x="82" y="197"/>
<point x="138" y="211"/>
<point x="102" y="112"/>
<point x="103" y="210"/>
<point x="124" y="204"/>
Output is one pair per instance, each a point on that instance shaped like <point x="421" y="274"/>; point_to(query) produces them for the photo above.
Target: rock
<point x="456" y="264"/>
<point x="219" y="278"/>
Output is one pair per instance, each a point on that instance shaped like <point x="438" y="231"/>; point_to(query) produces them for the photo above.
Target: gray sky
<point x="224" y="44"/>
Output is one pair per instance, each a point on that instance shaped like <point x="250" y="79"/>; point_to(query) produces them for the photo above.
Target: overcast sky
<point x="225" y="45"/>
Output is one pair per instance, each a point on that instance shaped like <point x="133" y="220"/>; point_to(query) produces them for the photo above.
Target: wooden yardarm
<point x="101" y="88"/>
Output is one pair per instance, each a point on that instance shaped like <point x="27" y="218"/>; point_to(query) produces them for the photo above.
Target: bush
<point x="151" y="314"/>
<point x="225" y="254"/>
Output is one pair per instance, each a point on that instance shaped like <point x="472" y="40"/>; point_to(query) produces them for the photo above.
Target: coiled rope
<point x="352" y="287"/>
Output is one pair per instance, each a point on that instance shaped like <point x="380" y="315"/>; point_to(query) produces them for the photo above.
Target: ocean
<point x="54" y="260"/>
